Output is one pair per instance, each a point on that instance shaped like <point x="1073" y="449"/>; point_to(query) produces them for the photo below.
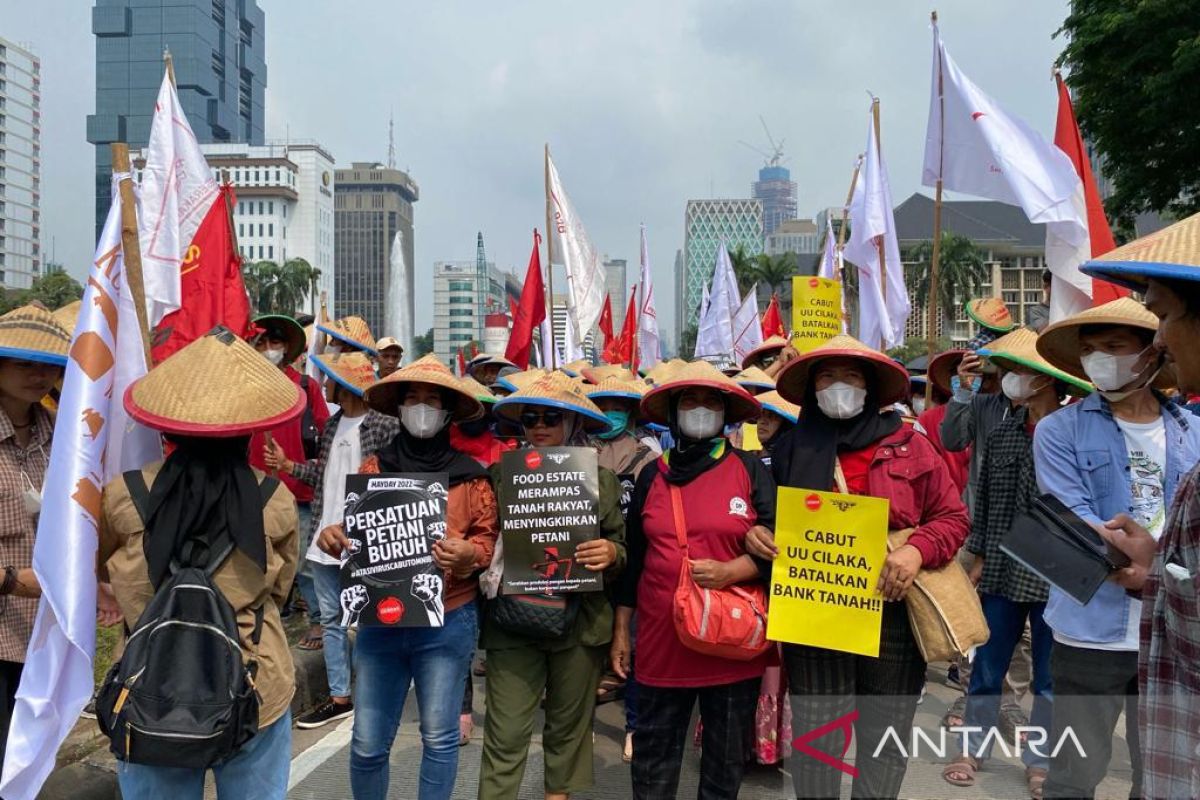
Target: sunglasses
<point x="549" y="418"/>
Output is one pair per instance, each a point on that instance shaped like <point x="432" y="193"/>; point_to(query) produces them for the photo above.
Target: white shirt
<point x="345" y="457"/>
<point x="1146" y="445"/>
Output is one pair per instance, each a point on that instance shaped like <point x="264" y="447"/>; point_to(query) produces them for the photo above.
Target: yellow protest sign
<point x="831" y="551"/>
<point x="816" y="311"/>
<point x="750" y="437"/>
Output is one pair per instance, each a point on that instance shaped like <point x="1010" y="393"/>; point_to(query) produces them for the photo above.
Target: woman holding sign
<point x="435" y="660"/>
<point x="707" y="495"/>
<point x="845" y="442"/>
<point x="526" y="657"/>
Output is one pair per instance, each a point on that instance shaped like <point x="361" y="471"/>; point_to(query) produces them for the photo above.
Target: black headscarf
<point x="407" y="453"/>
<point x="204" y="499"/>
<point x="805" y="456"/>
<point x="689" y="458"/>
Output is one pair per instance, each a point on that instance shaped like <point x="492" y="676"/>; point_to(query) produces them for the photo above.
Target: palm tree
<point x="280" y="289"/>
<point x="961" y="273"/>
<point x="745" y="267"/>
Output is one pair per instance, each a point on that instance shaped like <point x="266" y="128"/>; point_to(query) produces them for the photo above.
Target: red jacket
<point x="288" y="437"/>
<point x="908" y="470"/>
<point x="959" y="462"/>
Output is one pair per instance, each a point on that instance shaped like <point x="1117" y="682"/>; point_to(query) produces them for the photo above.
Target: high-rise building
<point x="800" y="236"/>
<point x="20" y="166"/>
<point x="679" y="274"/>
<point x="220" y="72"/>
<point x="463" y="300"/>
<point x="617" y="289"/>
<point x="706" y="224"/>
<point x="284" y="204"/>
<point x="777" y="191"/>
<point x="371" y="204"/>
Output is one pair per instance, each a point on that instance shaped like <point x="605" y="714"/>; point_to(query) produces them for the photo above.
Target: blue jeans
<point x="258" y="770"/>
<point x="337" y="643"/>
<point x="1006" y="619"/>
<point x="304" y="580"/>
<point x="435" y="661"/>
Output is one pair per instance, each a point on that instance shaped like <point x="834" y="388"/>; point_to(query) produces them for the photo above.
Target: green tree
<point x="912" y="348"/>
<point x="745" y="268"/>
<point x="422" y="344"/>
<point x="280" y="288"/>
<point x="1133" y="66"/>
<point x="961" y="273"/>
<point x="687" y="342"/>
<point x="774" y="271"/>
<point x="53" y="290"/>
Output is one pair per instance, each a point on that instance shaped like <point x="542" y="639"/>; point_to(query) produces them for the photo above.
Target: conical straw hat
<point x="891" y="379"/>
<point x="1020" y="347"/>
<point x="754" y="380"/>
<point x="621" y="389"/>
<point x="217" y="385"/>
<point x="772" y="345"/>
<point x="943" y="367"/>
<point x="597" y="374"/>
<point x="351" y="330"/>
<point x="68" y="315"/>
<point x="386" y="394"/>
<point x="1059" y="342"/>
<point x="353" y="370"/>
<point x="519" y="380"/>
<point x="740" y="405"/>
<point x="662" y="371"/>
<point x="481" y="392"/>
<point x="991" y="313"/>
<point x="575" y="367"/>
<point x="30" y="333"/>
<point x="773" y="401"/>
<point x="554" y="390"/>
<point x="1171" y="253"/>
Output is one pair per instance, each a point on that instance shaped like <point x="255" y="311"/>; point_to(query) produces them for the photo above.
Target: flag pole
<point x="932" y="295"/>
<point x="841" y="238"/>
<point x="552" y="356"/>
<point x="170" y="64"/>
<point x="131" y="250"/>
<point x="879" y="244"/>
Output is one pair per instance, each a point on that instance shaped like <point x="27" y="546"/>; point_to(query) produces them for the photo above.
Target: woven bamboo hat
<point x="740" y="405"/>
<point x="1171" y="253"/>
<point x="943" y="366"/>
<point x="663" y="370"/>
<point x="517" y="381"/>
<point x="619" y="388"/>
<point x="991" y="313"/>
<point x="554" y="390"/>
<point x="597" y="374"/>
<point x="576" y="367"/>
<point x="354" y="331"/>
<point x="286" y="328"/>
<point x="754" y="380"/>
<point x="769" y="346"/>
<point x="30" y="333"/>
<point x="1020" y="347"/>
<point x="218" y="386"/>
<point x="386" y="394"/>
<point x="353" y="370"/>
<point x="773" y="401"/>
<point x="481" y="392"/>
<point x="1059" y="343"/>
<point x="68" y="315"/>
<point x="891" y="379"/>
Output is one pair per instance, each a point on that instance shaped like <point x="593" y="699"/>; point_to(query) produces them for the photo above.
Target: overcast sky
<point x="642" y="104"/>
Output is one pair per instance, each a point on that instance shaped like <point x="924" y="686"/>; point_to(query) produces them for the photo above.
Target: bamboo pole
<point x="841" y="240"/>
<point x="170" y="64"/>
<point x="131" y="251"/>
<point x="552" y="357"/>
<point x="932" y="294"/>
<point x="879" y="242"/>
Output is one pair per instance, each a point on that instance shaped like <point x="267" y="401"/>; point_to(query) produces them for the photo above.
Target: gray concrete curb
<point x="312" y="684"/>
<point x="81" y="782"/>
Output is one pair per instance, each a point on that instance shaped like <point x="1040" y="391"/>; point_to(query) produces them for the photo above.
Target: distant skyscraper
<point x="617" y="289"/>
<point x="220" y="70"/>
<point x="777" y="191"/>
<point x="371" y="203"/>
<point x="738" y="222"/>
<point x="20" y="166"/>
<point x="463" y="301"/>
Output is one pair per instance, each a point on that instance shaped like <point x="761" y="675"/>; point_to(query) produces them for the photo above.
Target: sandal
<point x="611" y="688"/>
<point x="954" y="716"/>
<point x="963" y="765"/>
<point x="313" y="640"/>
<point x="1034" y="778"/>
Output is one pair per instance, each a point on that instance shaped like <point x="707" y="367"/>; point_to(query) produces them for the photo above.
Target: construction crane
<point x="775" y="157"/>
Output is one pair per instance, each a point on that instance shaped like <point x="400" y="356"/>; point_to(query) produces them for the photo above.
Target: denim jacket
<point x="1081" y="458"/>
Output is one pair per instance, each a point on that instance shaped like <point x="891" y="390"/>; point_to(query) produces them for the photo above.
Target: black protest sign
<point x="549" y="505"/>
<point x="389" y="577"/>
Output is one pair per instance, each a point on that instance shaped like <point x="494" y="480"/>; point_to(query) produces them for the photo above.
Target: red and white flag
<point x="573" y="248"/>
<point x="649" y="350"/>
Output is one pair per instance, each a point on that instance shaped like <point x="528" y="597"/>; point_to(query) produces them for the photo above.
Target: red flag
<point x="605" y="323"/>
<point x="772" y="322"/>
<point x="530" y="313"/>
<point x="512" y="309"/>
<point x="462" y="364"/>
<point x="627" y="349"/>
<point x="210" y="283"/>
<point x="1068" y="139"/>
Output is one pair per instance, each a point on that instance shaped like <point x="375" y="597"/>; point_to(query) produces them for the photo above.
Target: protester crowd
<point x="244" y="518"/>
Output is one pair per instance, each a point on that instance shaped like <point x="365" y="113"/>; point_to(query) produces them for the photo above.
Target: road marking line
<point x="306" y="762"/>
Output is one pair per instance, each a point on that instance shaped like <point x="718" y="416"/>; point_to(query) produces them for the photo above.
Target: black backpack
<point x="181" y="695"/>
<point x="309" y="435"/>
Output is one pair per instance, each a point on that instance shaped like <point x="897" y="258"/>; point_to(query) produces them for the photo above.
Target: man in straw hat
<point x="349" y="333"/>
<point x="282" y="340"/>
<point x="351" y="435"/>
<point x="204" y="502"/>
<point x="1166" y="266"/>
<point x="1123" y="450"/>
<point x="485" y="367"/>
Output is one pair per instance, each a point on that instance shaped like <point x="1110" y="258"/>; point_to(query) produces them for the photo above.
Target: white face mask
<point x="918" y="405"/>
<point x="423" y="420"/>
<point x="1020" y="388"/>
<point x="841" y="400"/>
<point x="701" y="422"/>
<point x="1110" y="372"/>
<point x="274" y="356"/>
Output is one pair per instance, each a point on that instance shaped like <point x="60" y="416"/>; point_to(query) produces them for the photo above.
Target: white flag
<point x="649" y="352"/>
<point x="177" y="190"/>
<point x="977" y="148"/>
<point x="714" y="340"/>
<point x="572" y="248"/>
<point x="94" y="441"/>
<point x="831" y="262"/>
<point x="884" y="307"/>
<point x="747" y="326"/>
